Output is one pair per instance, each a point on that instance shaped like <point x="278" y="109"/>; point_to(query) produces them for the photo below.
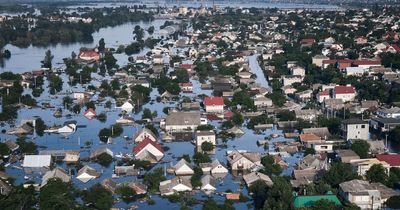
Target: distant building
<point x="355" y="129"/>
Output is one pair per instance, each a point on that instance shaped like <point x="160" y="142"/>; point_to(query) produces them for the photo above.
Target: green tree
<point x="57" y="194"/>
<point x="377" y="173"/>
<point x="127" y="193"/>
<point x="323" y="204"/>
<point x="104" y="159"/>
<point x="393" y="202"/>
<point x="309" y="151"/>
<point x="4" y="150"/>
<point x="339" y="172"/>
<point x="237" y="119"/>
<point x="199" y="157"/>
<point x="102" y="45"/>
<point x="153" y="179"/>
<point x="98" y="197"/>
<point x="361" y="147"/>
<point x="196" y="177"/>
<point x="47" y="61"/>
<point x="26" y="147"/>
<point x="394" y="134"/>
<point x="20" y="198"/>
<point x="40" y="126"/>
<point x="270" y="167"/>
<point x="207" y="146"/>
<point x="280" y="194"/>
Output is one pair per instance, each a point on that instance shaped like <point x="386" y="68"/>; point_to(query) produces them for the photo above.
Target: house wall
<point x="346" y="97"/>
<point x="242" y="164"/>
<point x="215" y="108"/>
<point x="357" y="131"/>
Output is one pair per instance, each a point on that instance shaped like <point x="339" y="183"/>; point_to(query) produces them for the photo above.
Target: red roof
<point x="391" y="159"/>
<point x="89" y="53"/>
<point x="329" y="61"/>
<point x="366" y="62"/>
<point x="307" y="41"/>
<point x="324" y="93"/>
<point x="345" y="61"/>
<point x="186" y="66"/>
<point x="214" y="101"/>
<point x="186" y="84"/>
<point x="141" y="145"/>
<point x="90" y="110"/>
<point x="228" y="114"/>
<point x="395" y="47"/>
<point x="344" y="89"/>
<point x="213" y="117"/>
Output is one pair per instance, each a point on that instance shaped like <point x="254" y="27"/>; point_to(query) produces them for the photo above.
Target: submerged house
<point x="149" y="150"/>
<point x="87" y="173"/>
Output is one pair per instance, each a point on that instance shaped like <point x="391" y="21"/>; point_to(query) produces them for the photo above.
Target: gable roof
<point x="308" y="201"/>
<point x="214" y="101"/>
<point x="340" y="89"/>
<point x="141" y="145"/>
<point x="391" y="159"/>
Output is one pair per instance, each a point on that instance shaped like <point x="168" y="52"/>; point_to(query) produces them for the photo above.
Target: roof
<point x="392" y="159"/>
<point x="183" y="118"/>
<point x="324" y="93"/>
<point x="214" y="101"/>
<point x="88" y="170"/>
<point x="366" y="62"/>
<point x="307" y="201"/>
<point x="88" y="53"/>
<point x="56" y="173"/>
<point x="146" y="131"/>
<point x="359" y="186"/>
<point x="141" y="145"/>
<point x="309" y="137"/>
<point x="34" y="161"/>
<point x="232" y="196"/>
<point x="344" y="89"/>
<point x="354" y="121"/>
<point x="186" y="66"/>
<point x="386" y="120"/>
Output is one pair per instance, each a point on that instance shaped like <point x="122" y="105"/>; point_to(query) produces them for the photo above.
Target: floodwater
<point x="115" y="36"/>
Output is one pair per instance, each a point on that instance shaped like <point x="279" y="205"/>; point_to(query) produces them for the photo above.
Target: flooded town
<point x="200" y="105"/>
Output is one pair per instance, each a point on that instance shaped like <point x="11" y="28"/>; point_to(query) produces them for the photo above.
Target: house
<point x="290" y="79"/>
<point x="307" y="114"/>
<point x="37" y="163"/>
<point x="307" y="42"/>
<point x="346" y="93"/>
<point x="21" y="130"/>
<point x="261" y="101"/>
<point x="361" y="166"/>
<point x="186" y="87"/>
<point x="87" y="173"/>
<point x="333" y="103"/>
<point x="183" y="168"/>
<point x="90" y="113"/>
<point x="55" y="173"/>
<point x="392" y="159"/>
<point x="244" y="160"/>
<point x="384" y="124"/>
<point x="143" y="134"/>
<point x="109" y="185"/>
<point x="303" y="177"/>
<point x="364" y="194"/>
<point x="138" y="187"/>
<point x="318" y="59"/>
<point x="214" y="104"/>
<point x="298" y="71"/>
<point x="177" y="184"/>
<point x="5" y="188"/>
<point x="80" y="95"/>
<point x="315" y="162"/>
<point x="127" y="106"/>
<point x="214" y="168"/>
<point x="322" y="95"/>
<point x="252" y="177"/>
<point x="187" y="67"/>
<point x="125" y="119"/>
<point x="126" y="170"/>
<point x="355" y="128"/>
<point x="208" y="183"/>
<point x="355" y="71"/>
<point x="72" y="156"/>
<point x="322" y="132"/>
<point x="12" y="146"/>
<point x="307" y="139"/>
<point x="304" y="95"/>
<point x="309" y="200"/>
<point x="346" y="155"/>
<point x="96" y="153"/>
<point x="182" y="121"/>
<point x="149" y="150"/>
<point x="205" y="136"/>
<point x="89" y="55"/>
<point x="366" y="64"/>
<point x="393" y="112"/>
<point x="232" y="196"/>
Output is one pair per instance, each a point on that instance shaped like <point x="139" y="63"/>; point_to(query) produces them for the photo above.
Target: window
<point x="362" y="126"/>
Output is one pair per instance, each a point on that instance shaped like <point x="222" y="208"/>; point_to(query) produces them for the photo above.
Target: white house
<point x="177" y="184"/>
<point x="182" y="121"/>
<point x="244" y="160"/>
<point x="290" y="79"/>
<point x="346" y="93"/>
<point x="299" y="71"/>
<point x="87" y="173"/>
<point x="393" y="112"/>
<point x="205" y="136"/>
<point x="208" y="183"/>
<point x="37" y="163"/>
<point x="148" y="150"/>
<point x="214" y="168"/>
<point x="262" y="101"/>
<point x="214" y="104"/>
<point x="322" y="95"/>
<point x="127" y="106"/>
<point x="355" y="129"/>
<point x="143" y="134"/>
<point x="182" y="168"/>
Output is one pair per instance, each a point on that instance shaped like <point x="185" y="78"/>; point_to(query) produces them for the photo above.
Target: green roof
<point x="308" y="201"/>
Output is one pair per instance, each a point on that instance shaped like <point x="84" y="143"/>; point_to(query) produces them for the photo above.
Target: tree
<point x="20" y="198"/>
<point x="323" y="204"/>
<point x="207" y="146"/>
<point x="377" y="173"/>
<point x="237" y="119"/>
<point x="153" y="179"/>
<point x="360" y="147"/>
<point x="394" y="135"/>
<point x="393" y="202"/>
<point x="40" y="126"/>
<point x="27" y="147"/>
<point x="182" y="75"/>
<point x="186" y="157"/>
<point x="147" y="114"/>
<point x="47" y="61"/>
<point x="102" y="45"/>
<point x="280" y="194"/>
<point x="199" y="157"/>
<point x="339" y="172"/>
<point x="109" y="60"/>
<point x="270" y="167"/>
<point x="4" y="150"/>
<point x="90" y="105"/>
<point x="98" y="197"/>
<point x="57" y="194"/>
<point x="196" y="178"/>
<point x="127" y="193"/>
<point x="309" y="151"/>
<point x="210" y="204"/>
<point x="104" y="159"/>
